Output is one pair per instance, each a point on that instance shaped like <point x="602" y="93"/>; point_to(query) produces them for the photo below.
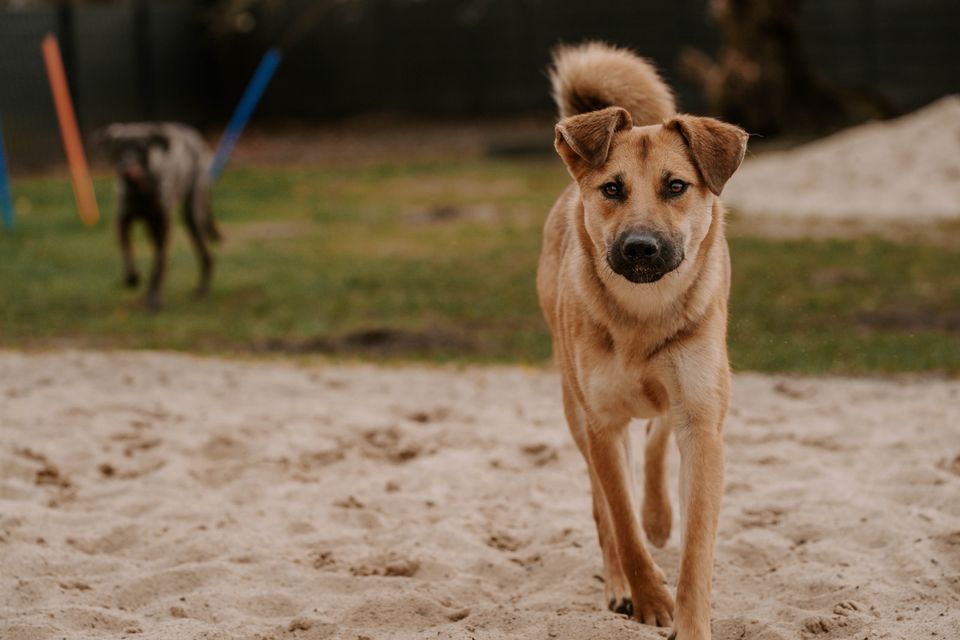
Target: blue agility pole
<point x="258" y="84"/>
<point x="6" y="202"/>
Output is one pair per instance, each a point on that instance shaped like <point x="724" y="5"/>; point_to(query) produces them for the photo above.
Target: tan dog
<point x="633" y="280"/>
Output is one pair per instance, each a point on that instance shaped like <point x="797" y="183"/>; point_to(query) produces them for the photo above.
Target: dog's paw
<point x="655" y="607"/>
<point x="131" y="280"/>
<point x="623" y="606"/>
<point x="616" y="588"/>
<point x="153" y="303"/>
<point x="672" y="636"/>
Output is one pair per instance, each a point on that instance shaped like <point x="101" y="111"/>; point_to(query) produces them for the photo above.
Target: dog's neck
<point x="675" y="302"/>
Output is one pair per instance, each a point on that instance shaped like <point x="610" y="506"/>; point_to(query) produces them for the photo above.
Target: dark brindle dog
<point x="160" y="166"/>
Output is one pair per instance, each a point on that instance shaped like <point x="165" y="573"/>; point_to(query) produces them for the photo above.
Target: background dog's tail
<point x="595" y="75"/>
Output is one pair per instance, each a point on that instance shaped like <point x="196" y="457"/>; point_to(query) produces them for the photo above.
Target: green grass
<point x="314" y="257"/>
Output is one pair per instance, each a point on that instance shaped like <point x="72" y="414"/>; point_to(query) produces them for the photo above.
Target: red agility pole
<point x="76" y="160"/>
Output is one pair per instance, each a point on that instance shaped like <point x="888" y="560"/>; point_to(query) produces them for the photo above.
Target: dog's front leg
<point x="652" y="603"/>
<point x="701" y="488"/>
<point x="159" y="235"/>
<point x="130" y="276"/>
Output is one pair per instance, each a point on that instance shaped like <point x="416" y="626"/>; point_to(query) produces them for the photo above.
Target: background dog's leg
<point x="159" y="233"/>
<point x="701" y="488"/>
<point x="657" y="514"/>
<point x="652" y="603"/>
<point x="124" y="223"/>
<point x="193" y="214"/>
<point x="616" y="589"/>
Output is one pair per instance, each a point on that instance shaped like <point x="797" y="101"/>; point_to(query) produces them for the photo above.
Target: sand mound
<point x="904" y="170"/>
<point x="170" y="497"/>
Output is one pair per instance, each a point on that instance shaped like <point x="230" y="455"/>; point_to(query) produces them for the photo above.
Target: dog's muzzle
<point x="644" y="256"/>
<point x="132" y="173"/>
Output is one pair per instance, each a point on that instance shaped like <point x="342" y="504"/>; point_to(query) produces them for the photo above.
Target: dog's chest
<point x="619" y="389"/>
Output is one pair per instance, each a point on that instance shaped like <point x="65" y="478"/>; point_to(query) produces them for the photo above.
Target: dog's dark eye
<point x="612" y="190"/>
<point x="676" y="187"/>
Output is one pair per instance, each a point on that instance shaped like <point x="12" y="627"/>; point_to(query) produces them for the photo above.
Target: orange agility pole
<point x="76" y="160"/>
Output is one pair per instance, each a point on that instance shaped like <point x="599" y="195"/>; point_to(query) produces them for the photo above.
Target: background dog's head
<point x="133" y="150"/>
<point x="648" y="192"/>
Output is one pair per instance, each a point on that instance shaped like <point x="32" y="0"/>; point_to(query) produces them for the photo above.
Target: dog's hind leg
<point x="194" y="217"/>
<point x="616" y="589"/>
<point x="202" y="201"/>
<point x="657" y="514"/>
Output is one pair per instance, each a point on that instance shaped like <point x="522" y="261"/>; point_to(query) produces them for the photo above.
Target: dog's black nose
<point x="642" y="255"/>
<point x="639" y="246"/>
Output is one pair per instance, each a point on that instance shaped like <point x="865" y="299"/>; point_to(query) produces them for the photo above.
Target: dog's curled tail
<point x="595" y="75"/>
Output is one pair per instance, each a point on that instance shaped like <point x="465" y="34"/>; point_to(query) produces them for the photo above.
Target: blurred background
<point x="387" y="198"/>
<point x="183" y="60"/>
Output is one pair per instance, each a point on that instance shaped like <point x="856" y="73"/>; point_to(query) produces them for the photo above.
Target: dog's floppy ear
<point x="103" y="142"/>
<point x="716" y="147"/>
<point x="159" y="139"/>
<point x="584" y="140"/>
<point x="104" y="138"/>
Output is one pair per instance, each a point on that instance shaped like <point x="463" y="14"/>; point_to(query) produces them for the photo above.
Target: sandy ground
<point x="168" y="496"/>
<point x="902" y="171"/>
